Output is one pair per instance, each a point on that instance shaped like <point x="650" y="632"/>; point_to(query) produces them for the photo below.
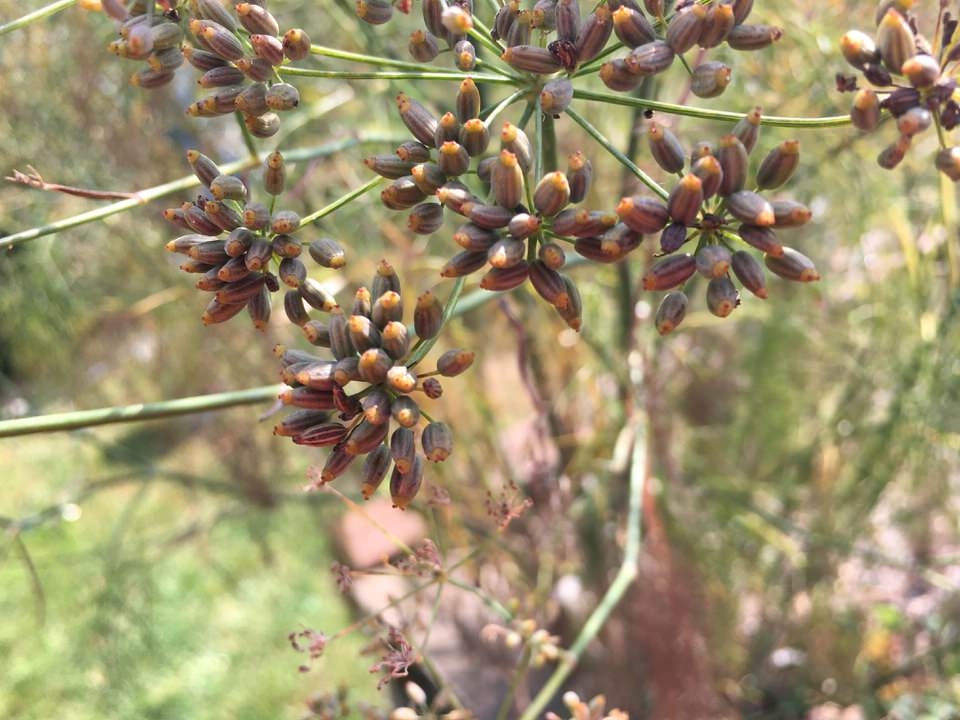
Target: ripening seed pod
<point x="901" y="100"/>
<point x="362" y="302"/>
<point x="317" y="296"/>
<point x="665" y="148"/>
<point x="567" y="19"/>
<point x="373" y="366"/>
<point x="747" y="129"/>
<point x="749" y="272"/>
<point x="209" y="282"/>
<point x="504" y="19"/>
<point x="650" y="59"/>
<point x="228" y="187"/>
<point x="264" y="126"/>
<point x="474" y="137"/>
<point x="385" y="280"/>
<point x="642" y="214"/>
<point x="284" y="221"/>
<point x="685" y="28"/>
<point x="365" y="437"/>
<point x="201" y="59"/>
<point x="514" y="140"/>
<point x="299" y="421"/>
<point x="788" y="213"/>
<point x="432" y="17"/>
<point x="921" y="70"/>
<point x="685" y="200"/>
<point x="429" y="177"/>
<point x="428" y="316"/>
<point x="669" y="272"/>
<point x="572" y="312"/>
<point x="282" y="96"/>
<point x="453" y="158"/>
<point x="376" y="406"/>
<point x="717" y="25"/>
<point x="751" y="208"/>
<point x="556" y="96"/>
<point x="203" y="167"/>
<point x="778" y="165"/>
<point x="792" y="265"/>
<point x="948" y="162"/>
<point x="617" y="75"/>
<point x="464" y="263"/>
<point x="252" y="100"/>
<point x="710" y="79"/>
<point x="224" y="76"/>
<point x="457" y="20"/>
<point x="733" y="160"/>
<point x="286" y="246"/>
<point x="210" y="252"/>
<point x="214" y="10"/>
<point x="506" y="252"/>
<point x="256" y="216"/>
<point x="491" y="217"/>
<point x="713" y="261"/>
<point x="914" y="121"/>
<point x="402" y="194"/>
<point x="233" y="270"/>
<point x="437" y="441"/>
<point x="596" y="249"/>
<point x="386" y="308"/>
<point x="425" y="218"/>
<point x="296" y="44"/>
<point x="762" y="238"/>
<point x="895" y="40"/>
<point x="401" y="379"/>
<point x="294" y="309"/>
<point x="316" y="332"/>
<point x="347" y="370"/>
<point x="328" y="253"/>
<point x="405" y="410"/>
<point x="890" y="156"/>
<point x="268" y="47"/>
<point x="865" y="112"/>
<point x="474" y="238"/>
<point x="753" y="37"/>
<point x="183" y="243"/>
<point x="197" y="220"/>
<point x="710" y="173"/>
<point x="323" y="435"/>
<point x="374" y="470"/>
<point x="308" y="398"/>
<point x="722" y="296"/>
<point x="337" y="463"/>
<point x="523" y="225"/>
<point x="549" y="284"/>
<point x="448" y="128"/>
<point x="454" y="362"/>
<point x="255" y="68"/>
<point x="395" y="339"/>
<point x="374" y="12"/>
<point x="532" y="59"/>
<point x="632" y="27"/>
<point x="672" y="311"/>
<point x="859" y="49"/>
<point x="423" y="46"/>
<point x="257" y="19"/>
<point x="317" y="375"/>
<point x="389" y="166"/>
<point x="405" y="486"/>
<point x="418" y="119"/>
<point x="364" y="335"/>
<point x="579" y="176"/>
<point x="594" y="33"/>
<point x="468" y="101"/>
<point x="551" y="194"/>
<point x="241" y="290"/>
<point x="217" y="38"/>
<point x="403" y="449"/>
<point x="501" y="279"/>
<point x="465" y="55"/>
<point x="672" y="238"/>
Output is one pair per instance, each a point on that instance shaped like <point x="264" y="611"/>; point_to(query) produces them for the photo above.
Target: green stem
<point x="624" y="160"/>
<point x="142" y="197"/>
<point x="625" y="576"/>
<point x="549" y="144"/>
<point x="138" y="412"/>
<point x="483" y="38"/>
<point x="393" y="75"/>
<point x="341" y="201"/>
<point x="487" y="600"/>
<point x="448" y="312"/>
<point x="518" y="675"/>
<point x="248" y="140"/>
<point x="489" y="117"/>
<point x="538" y="138"/>
<point x="671" y="108"/>
<point x="44" y="12"/>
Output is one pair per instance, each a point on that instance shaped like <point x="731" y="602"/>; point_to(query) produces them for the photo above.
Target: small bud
<point x="454" y="362"/>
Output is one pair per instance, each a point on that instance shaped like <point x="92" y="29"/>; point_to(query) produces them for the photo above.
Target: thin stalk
<point x="671" y="108"/>
<point x="397" y="542"/>
<point x="595" y="64"/>
<point x="613" y="150"/>
<point x="44" y="12"/>
<point x="509" y="698"/>
<point x="142" y="197"/>
<point x="549" y="143"/>
<point x="538" y="139"/>
<point x="138" y="412"/>
<point x="625" y="576"/>
<point x="488" y="117"/>
<point x="341" y="201"/>
<point x="393" y="75"/>
<point x="487" y="600"/>
<point x="485" y="40"/>
<point x="248" y="140"/>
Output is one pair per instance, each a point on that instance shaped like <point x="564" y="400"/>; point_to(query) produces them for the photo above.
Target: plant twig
<point x="33" y="179"/>
<point x="40" y="14"/>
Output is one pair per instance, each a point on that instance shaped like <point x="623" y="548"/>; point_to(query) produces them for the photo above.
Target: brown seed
<point x="672" y="311"/>
<point x="405" y="486"/>
<point x="749" y="272"/>
<point x="403" y="449"/>
<point x="669" y="272"/>
<point x="337" y="463"/>
<point x="722" y="296"/>
<point x="551" y="194"/>
<point x="296" y="44"/>
<point x="374" y="470"/>
<point x="437" y="441"/>
<point x="779" y="165"/>
<point x="418" y="119"/>
<point x="685" y="200"/>
<point x="792" y="265"/>
<point x="762" y="238"/>
<point x="749" y="207"/>
<point x="505" y="278"/>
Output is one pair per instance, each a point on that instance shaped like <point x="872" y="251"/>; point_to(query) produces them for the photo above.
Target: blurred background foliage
<point x="802" y="555"/>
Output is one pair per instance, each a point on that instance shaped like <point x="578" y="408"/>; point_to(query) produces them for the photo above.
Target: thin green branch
<point x="673" y="109"/>
<point x="44" y="12"/>
<point x="487" y="600"/>
<point x="341" y="201"/>
<point x="489" y="116"/>
<point x="625" y="576"/>
<point x="613" y="150"/>
<point x="248" y="140"/>
<point x="158" y="191"/>
<point x="138" y="412"/>
<point x="420" y="74"/>
<point x="390" y="63"/>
